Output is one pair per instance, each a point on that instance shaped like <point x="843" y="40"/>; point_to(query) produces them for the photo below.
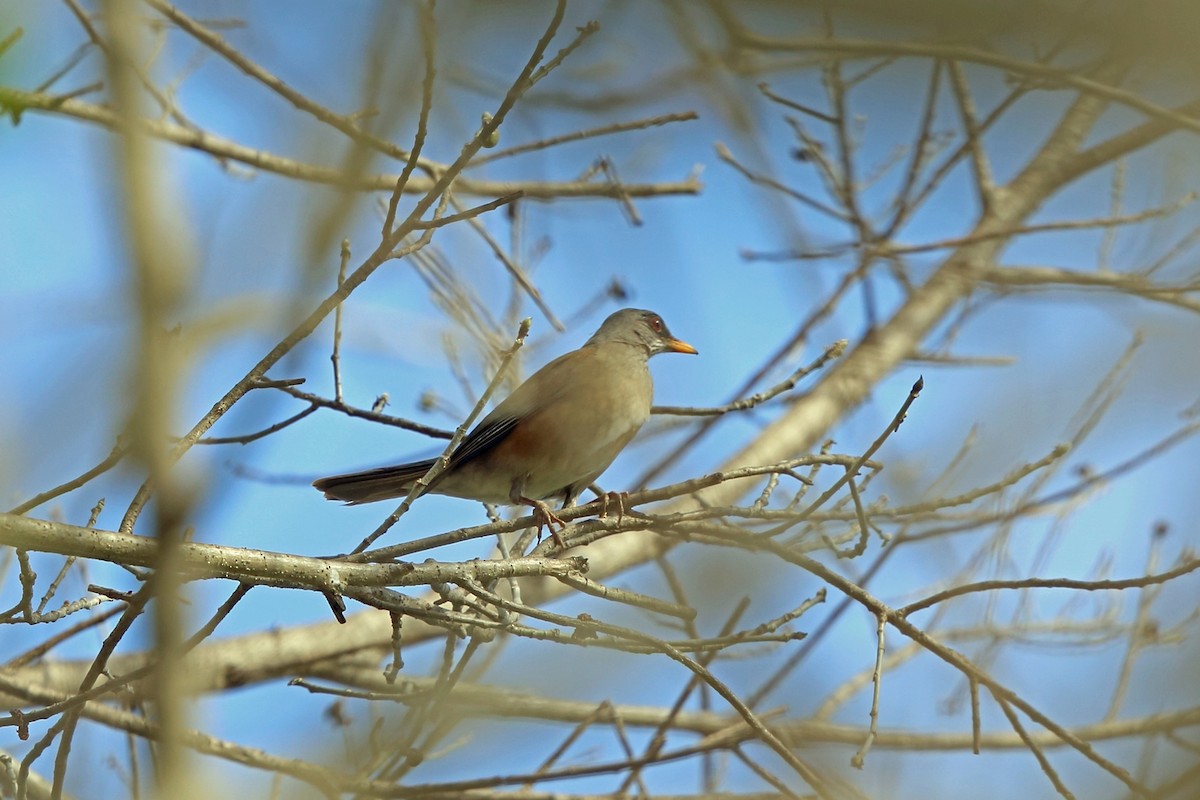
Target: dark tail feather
<point x="373" y="484"/>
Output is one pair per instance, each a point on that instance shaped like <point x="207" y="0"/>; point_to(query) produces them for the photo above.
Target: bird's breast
<point x="580" y="433"/>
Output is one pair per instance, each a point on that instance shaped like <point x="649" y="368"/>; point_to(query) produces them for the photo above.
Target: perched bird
<point x="552" y="436"/>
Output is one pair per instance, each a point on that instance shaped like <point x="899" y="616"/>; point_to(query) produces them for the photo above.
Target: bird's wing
<point x="483" y="438"/>
<point x="539" y="389"/>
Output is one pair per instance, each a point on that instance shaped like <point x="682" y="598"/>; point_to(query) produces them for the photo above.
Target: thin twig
<point x="119" y="451"/>
<point x="335" y="356"/>
<point x="1034" y="748"/>
<point x="590" y="133"/>
<point x="860" y="757"/>
<point x="834" y="350"/>
<point x="1051" y="583"/>
<point x="870" y="451"/>
<point x="362" y="413"/>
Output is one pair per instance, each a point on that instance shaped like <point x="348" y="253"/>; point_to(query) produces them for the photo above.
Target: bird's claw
<point x="619" y="498"/>
<point x="544" y="517"/>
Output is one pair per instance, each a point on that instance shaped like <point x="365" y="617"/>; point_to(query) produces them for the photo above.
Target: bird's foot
<point x="544" y="516"/>
<point x="619" y="498"/>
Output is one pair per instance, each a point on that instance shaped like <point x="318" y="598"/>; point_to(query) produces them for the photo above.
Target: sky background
<point x="67" y="328"/>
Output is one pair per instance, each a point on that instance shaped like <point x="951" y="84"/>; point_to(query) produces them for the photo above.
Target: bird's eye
<point x="657" y="324"/>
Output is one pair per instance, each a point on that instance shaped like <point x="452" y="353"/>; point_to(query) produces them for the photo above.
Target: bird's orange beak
<point x="680" y="346"/>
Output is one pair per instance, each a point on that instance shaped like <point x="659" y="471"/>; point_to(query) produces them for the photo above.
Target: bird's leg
<point x="613" y="497"/>
<point x="543" y="515"/>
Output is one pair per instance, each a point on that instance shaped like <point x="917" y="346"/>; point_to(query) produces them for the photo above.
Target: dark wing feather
<point x="541" y="389"/>
<point x="483" y="438"/>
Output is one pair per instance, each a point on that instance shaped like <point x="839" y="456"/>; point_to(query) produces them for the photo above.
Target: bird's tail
<point x="373" y="484"/>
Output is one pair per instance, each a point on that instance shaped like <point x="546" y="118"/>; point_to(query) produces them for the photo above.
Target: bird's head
<point x="638" y="327"/>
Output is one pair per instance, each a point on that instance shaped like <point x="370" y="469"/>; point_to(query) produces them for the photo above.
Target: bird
<point x="552" y="437"/>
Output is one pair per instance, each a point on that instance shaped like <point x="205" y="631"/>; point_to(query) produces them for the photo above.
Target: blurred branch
<point x="17" y="101"/>
<point x="1045" y="75"/>
<point x="1133" y="284"/>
